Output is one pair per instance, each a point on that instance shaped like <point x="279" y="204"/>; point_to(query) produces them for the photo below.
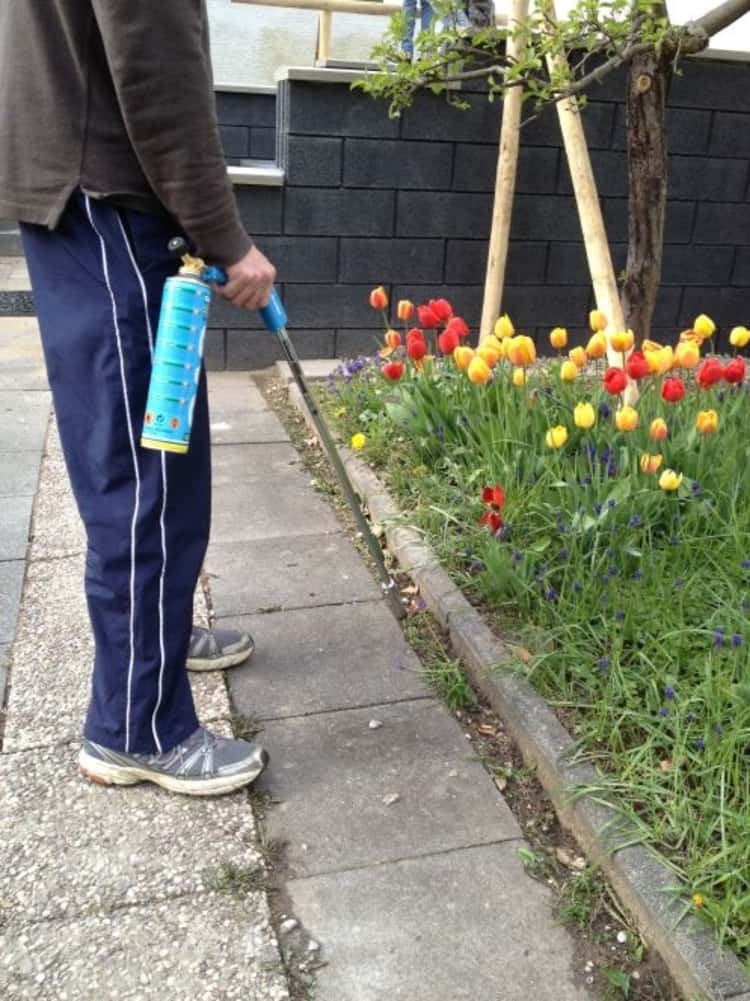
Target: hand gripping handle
<point x="273" y="314"/>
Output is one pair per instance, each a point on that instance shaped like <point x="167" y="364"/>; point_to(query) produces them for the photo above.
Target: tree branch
<point x="722" y="16"/>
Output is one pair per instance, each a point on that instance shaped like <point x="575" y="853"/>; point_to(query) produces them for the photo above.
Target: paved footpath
<point x="402" y="855"/>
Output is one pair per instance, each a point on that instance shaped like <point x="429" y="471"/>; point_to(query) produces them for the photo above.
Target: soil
<point x="611" y="959"/>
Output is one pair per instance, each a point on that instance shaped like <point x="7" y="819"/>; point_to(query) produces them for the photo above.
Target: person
<point x="427" y="15"/>
<point x="109" y="147"/>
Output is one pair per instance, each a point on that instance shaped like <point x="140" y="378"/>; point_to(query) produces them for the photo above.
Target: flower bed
<point x="610" y="538"/>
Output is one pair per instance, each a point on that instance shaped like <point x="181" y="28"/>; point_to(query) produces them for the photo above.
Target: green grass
<point x="632" y="600"/>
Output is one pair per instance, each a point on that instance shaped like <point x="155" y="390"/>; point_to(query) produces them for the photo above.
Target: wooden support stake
<point x="323" y="48"/>
<point x="595" y="240"/>
<point x="505" y="187"/>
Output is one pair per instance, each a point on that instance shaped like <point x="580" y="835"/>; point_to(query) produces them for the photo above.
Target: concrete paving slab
<point x="119" y="846"/>
<point x="232" y="391"/>
<point x="21" y="357"/>
<point x="460" y="926"/>
<point x="269" y="509"/>
<point x="245" y="463"/>
<point x="57" y="531"/>
<point x="4" y="666"/>
<point x="211" y="947"/>
<point x="312" y="369"/>
<point x="294" y="572"/>
<point x="312" y="660"/>
<point x="19" y="472"/>
<point x="15" y="522"/>
<point x="11" y="580"/>
<point x="246" y="426"/>
<point x="23" y="420"/>
<point x="331" y="773"/>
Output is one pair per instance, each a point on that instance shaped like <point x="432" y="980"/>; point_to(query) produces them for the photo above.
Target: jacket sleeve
<point x="158" y="55"/>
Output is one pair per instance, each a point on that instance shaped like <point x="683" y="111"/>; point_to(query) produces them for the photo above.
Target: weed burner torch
<point x="175" y="374"/>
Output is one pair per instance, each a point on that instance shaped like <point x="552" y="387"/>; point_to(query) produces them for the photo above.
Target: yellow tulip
<point x="626" y="419"/>
<point x="488" y="354"/>
<point x="622" y="341"/>
<point x="651" y="463"/>
<point x="578" y="356"/>
<point x="358" y="441"/>
<point x="597" y="346"/>
<point x="584" y="416"/>
<point x="558" y="338"/>
<point x="519" y="377"/>
<point x="597" y="320"/>
<point x="660" y="359"/>
<point x="504" y="327"/>
<point x="670" y="480"/>
<point x="462" y="356"/>
<point x="493" y="342"/>
<point x="479" y="371"/>
<point x="556" y="436"/>
<point x="521" y="351"/>
<point x="739" y="337"/>
<point x="707" y="421"/>
<point x="687" y="354"/>
<point x="658" y="430"/>
<point x="704" y="325"/>
<point x="568" y="371"/>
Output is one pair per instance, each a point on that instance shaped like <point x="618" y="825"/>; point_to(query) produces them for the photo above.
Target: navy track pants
<point x="97" y="281"/>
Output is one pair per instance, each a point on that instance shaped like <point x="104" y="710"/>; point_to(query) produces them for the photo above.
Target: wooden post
<point x="323" y="47"/>
<point x="505" y="187"/>
<point x="595" y="240"/>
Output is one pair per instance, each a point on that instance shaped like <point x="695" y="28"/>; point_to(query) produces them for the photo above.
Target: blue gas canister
<point x="177" y="360"/>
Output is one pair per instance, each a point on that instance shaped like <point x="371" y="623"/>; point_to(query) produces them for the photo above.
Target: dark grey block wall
<point x="407" y="203"/>
<point x="247" y="123"/>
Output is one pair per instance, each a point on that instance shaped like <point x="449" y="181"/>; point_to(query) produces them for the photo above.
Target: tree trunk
<point x="645" y="123"/>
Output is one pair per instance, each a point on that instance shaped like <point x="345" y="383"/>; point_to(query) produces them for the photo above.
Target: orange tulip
<point x="489" y="354"/>
<point x="479" y="371"/>
<point x="597" y="346"/>
<point x="405" y="310"/>
<point x="658" y="429"/>
<point x="579" y="357"/>
<point x="626" y="419"/>
<point x="687" y="354"/>
<point x="379" y="298"/>
<point x="651" y="463"/>
<point x="558" y="338"/>
<point x="521" y="351"/>
<point x="622" y="341"/>
<point x="707" y="422"/>
<point x="597" y="320"/>
<point x="463" y="356"/>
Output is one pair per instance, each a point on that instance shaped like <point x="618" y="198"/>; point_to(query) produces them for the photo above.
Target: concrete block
<point x="235" y="139"/>
<point x="544" y="218"/>
<point x="729" y="136"/>
<point x="260" y="208"/>
<point x="319" y="212"/>
<point x="313" y="161"/>
<point x="296" y="572"/>
<point x="598" y="120"/>
<point x="330" y="772"/>
<point x="372" y="163"/>
<point x="431" y="118"/>
<point x="708" y="83"/>
<point x="741" y="269"/>
<point x="610" y="172"/>
<point x="380" y="261"/>
<point x="302" y="259"/>
<point x="313" y="660"/>
<point x="215" y="350"/>
<point x="567" y="262"/>
<point x="15" y="523"/>
<point x="466" y="261"/>
<point x="251" y="350"/>
<point x="353" y="342"/>
<point x="329" y="305"/>
<point x="11" y="580"/>
<point x="708" y="179"/>
<point x="328" y="109"/>
<point x="727" y="307"/>
<point x="421" y="213"/>
<point x="476" y="167"/>
<point x="246" y="109"/>
<point x="112" y="953"/>
<point x="493" y="937"/>
<point x="729" y="223"/>
<point x="262" y="144"/>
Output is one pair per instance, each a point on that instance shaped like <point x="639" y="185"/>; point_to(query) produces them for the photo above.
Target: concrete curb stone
<point x="646" y="885"/>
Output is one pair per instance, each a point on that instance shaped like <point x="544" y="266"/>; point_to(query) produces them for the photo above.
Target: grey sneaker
<point x="203" y="765"/>
<point x="215" y="649"/>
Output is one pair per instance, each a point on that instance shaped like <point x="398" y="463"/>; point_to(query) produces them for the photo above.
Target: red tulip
<point x="493" y="520"/>
<point x="448" y="341"/>
<point x="379" y="298"/>
<point x="709" y="373"/>
<point x="734" y="370"/>
<point x="459" y="325"/>
<point x="393" y="370"/>
<point x="416" y="347"/>
<point x="637" y="366"/>
<point x="494" y="495"/>
<point x="673" y="389"/>
<point x="441" y="308"/>
<point x="428" y="318"/>
<point x="615" y="380"/>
